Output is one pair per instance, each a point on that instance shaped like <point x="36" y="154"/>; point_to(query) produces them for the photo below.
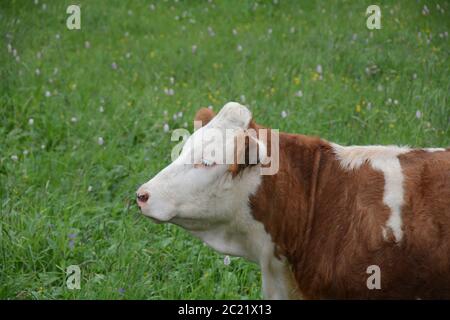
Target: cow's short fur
<point x="326" y="216"/>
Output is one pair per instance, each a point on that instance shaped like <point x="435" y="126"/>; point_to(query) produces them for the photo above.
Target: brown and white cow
<point x="318" y="224"/>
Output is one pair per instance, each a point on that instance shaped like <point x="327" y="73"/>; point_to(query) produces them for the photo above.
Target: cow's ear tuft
<point x="204" y="115"/>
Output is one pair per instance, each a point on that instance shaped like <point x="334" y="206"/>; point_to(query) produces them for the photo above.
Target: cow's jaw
<point x="229" y="227"/>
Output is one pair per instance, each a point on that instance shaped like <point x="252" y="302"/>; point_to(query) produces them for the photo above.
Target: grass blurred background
<point x="86" y="117"/>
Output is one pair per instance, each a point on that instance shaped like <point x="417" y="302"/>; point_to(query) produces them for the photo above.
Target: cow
<point x="334" y="222"/>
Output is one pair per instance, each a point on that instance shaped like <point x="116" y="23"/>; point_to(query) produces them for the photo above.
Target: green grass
<point x="50" y="219"/>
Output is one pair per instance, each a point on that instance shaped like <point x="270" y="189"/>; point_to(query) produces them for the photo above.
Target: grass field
<point x="84" y="119"/>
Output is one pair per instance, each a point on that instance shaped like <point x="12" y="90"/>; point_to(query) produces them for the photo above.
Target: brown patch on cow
<point x="426" y="218"/>
<point x="204" y="115"/>
<point x="328" y="223"/>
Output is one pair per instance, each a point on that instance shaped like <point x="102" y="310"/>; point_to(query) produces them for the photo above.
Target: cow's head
<point x="203" y="187"/>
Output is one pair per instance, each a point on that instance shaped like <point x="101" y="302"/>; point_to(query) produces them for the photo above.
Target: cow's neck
<point x="251" y="240"/>
<point x="242" y="235"/>
<point x="287" y="215"/>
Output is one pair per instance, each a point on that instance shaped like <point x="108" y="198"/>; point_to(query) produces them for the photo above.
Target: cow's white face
<point x="197" y="190"/>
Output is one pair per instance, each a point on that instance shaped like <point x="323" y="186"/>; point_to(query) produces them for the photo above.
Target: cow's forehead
<point x="210" y="135"/>
<point x="231" y="118"/>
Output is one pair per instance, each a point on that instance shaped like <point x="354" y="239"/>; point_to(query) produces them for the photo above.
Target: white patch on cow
<point x="384" y="159"/>
<point x="278" y="281"/>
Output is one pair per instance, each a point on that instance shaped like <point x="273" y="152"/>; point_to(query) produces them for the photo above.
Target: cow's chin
<point x="158" y="217"/>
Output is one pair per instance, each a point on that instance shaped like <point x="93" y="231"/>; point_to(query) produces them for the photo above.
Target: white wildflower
<point x="319" y="69"/>
<point x="169" y="91"/>
<point x="211" y="32"/>
<point x="166" y="127"/>
<point x="418" y="114"/>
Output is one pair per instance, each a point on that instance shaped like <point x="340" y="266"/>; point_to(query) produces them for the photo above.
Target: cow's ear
<point x="203" y="116"/>
<point x="248" y="151"/>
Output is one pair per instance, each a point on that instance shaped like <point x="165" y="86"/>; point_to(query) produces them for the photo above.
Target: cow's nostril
<point x="143" y="197"/>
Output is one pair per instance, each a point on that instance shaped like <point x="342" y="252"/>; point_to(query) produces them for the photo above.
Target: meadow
<point x="86" y="117"/>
